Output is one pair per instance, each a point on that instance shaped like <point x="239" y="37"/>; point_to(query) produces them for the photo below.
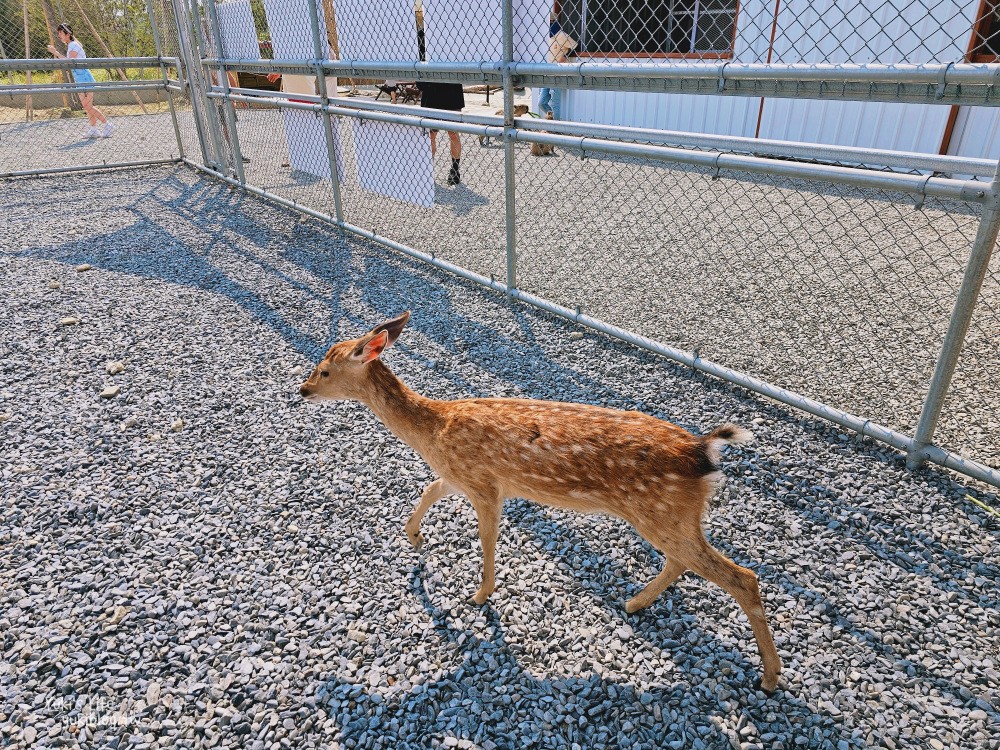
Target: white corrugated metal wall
<point x="722" y="115"/>
<point x="977" y="133"/>
<point x="869" y="31"/>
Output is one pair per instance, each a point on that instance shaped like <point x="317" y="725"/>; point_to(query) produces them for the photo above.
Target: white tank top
<point x="78" y="48"/>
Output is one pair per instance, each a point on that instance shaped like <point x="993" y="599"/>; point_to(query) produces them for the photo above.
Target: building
<point x="662" y="32"/>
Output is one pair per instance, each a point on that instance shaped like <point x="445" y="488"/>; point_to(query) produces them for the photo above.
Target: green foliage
<point x="122" y="24"/>
<point x="260" y="20"/>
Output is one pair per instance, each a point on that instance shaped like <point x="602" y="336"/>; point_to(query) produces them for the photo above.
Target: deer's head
<point x="340" y="374"/>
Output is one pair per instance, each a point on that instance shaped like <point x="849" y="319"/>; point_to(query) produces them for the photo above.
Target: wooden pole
<point x="331" y="37"/>
<point x="107" y="50"/>
<point x="49" y="13"/>
<point x="28" y="112"/>
<point x="331" y="29"/>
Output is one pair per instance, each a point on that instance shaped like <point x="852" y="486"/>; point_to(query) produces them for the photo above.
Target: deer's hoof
<point x="767" y="686"/>
<point x="417" y="540"/>
<point x="634" y="605"/>
<point x="479" y="598"/>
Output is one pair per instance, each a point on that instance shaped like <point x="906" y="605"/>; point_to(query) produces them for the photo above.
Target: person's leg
<point x="543" y="100"/>
<point x="557" y="97"/>
<point x="87" y="102"/>
<point x="454" y="175"/>
<point x="93" y="113"/>
<point x="433" y="143"/>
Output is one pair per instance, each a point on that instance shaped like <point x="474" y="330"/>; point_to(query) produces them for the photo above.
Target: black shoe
<point x="454" y="176"/>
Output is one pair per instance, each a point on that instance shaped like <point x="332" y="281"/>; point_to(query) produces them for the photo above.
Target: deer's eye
<point x="324" y="374"/>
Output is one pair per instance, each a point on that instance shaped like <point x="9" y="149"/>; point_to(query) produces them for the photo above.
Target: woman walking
<point x="74" y="50"/>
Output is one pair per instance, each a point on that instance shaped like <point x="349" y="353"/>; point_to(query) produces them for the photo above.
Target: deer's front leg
<point x="488" y="510"/>
<point x="434" y="492"/>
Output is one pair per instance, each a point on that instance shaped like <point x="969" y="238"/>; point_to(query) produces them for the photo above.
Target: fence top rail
<point x="792" y="149"/>
<point x="49" y="63"/>
<point x="938" y="74"/>
<point x="948" y="74"/>
<point x="973" y="84"/>
<point x="341" y="66"/>
<point x="69" y="88"/>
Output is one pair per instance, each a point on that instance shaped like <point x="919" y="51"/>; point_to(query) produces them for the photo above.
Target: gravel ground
<point x="840" y="294"/>
<point x="201" y="559"/>
<point x="50" y="144"/>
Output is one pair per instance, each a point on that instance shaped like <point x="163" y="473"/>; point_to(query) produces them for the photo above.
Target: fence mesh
<point x="637" y="31"/>
<point x="839" y="293"/>
<point x="970" y="420"/>
<point x="63" y="121"/>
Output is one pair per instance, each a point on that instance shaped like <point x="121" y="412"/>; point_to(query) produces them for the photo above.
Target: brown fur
<point x="655" y="475"/>
<point x="543" y="149"/>
<point x="520" y="110"/>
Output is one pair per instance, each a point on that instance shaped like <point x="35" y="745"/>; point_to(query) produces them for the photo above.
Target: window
<point x="986" y="37"/>
<point x="651" y="28"/>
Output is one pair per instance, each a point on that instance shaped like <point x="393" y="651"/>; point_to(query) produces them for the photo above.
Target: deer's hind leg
<point x="743" y="586"/>
<point x="434" y="492"/>
<point x="664" y="535"/>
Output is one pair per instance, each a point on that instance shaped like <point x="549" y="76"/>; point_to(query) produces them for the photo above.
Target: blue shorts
<point x="82" y="75"/>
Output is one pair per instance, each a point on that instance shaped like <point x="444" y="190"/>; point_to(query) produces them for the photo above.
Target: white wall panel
<point x="977" y="133"/>
<point x="291" y="29"/>
<point x="239" y="35"/>
<point x="472" y="30"/>
<point x="900" y="127"/>
<point x="721" y="115"/>
<point x="869" y="31"/>
<point x="753" y="30"/>
<point x="376" y="30"/>
<point x="394" y="160"/>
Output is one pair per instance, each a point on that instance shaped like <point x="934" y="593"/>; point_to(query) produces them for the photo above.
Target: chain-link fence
<point x="799" y="197"/>
<point x="83" y="84"/>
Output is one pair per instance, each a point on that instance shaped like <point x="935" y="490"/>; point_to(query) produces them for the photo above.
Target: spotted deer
<point x="651" y="473"/>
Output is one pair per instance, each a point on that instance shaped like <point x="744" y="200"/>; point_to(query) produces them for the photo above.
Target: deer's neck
<point x="408" y="415"/>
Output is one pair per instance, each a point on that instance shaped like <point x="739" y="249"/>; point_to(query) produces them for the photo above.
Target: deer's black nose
<point x="304" y="390"/>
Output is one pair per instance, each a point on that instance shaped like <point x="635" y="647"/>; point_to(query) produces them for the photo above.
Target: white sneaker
<point x="107" y="130"/>
<point x="92" y="132"/>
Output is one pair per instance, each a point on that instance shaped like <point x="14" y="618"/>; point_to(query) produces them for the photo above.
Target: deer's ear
<point x="371" y="347"/>
<point x="393" y="327"/>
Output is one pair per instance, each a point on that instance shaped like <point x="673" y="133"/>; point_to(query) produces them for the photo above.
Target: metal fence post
<point x="331" y="150"/>
<point x="229" y="111"/>
<point x="958" y="326"/>
<point x="185" y="64"/>
<point x="509" y="133"/>
<point x="163" y="72"/>
<point x="196" y="72"/>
